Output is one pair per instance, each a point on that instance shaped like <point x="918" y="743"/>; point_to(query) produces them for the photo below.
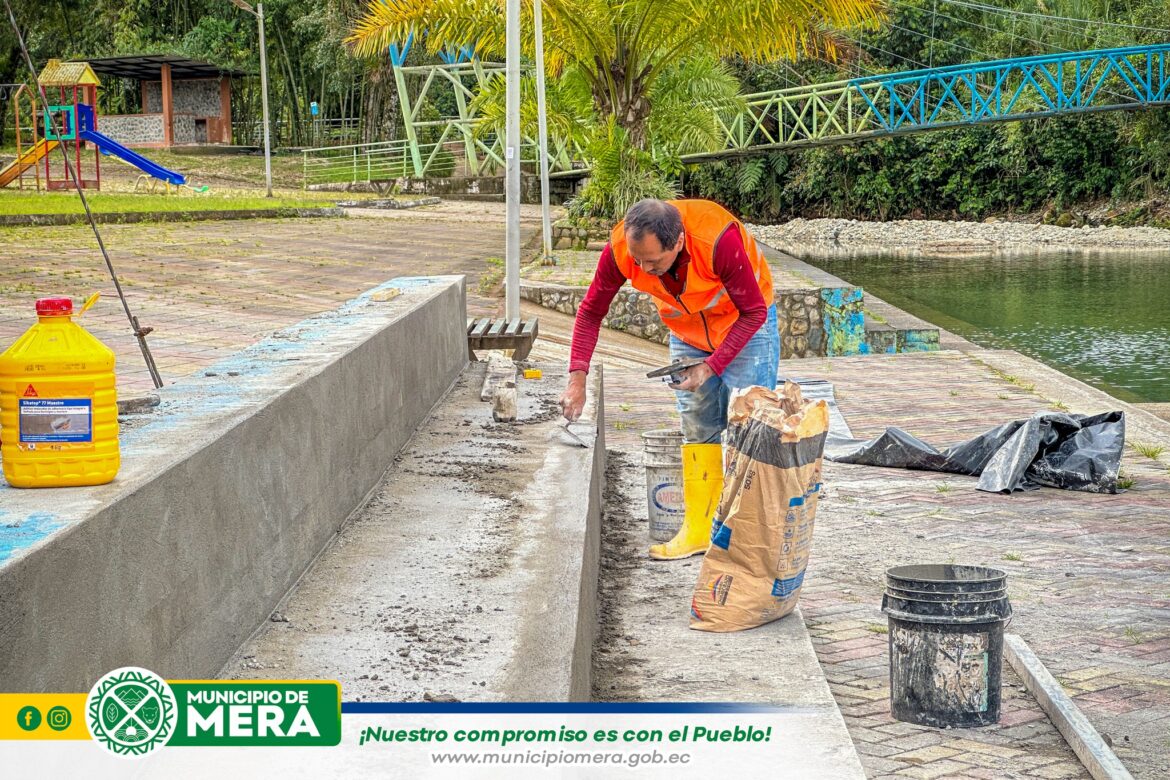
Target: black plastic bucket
<point x="946" y="643"/>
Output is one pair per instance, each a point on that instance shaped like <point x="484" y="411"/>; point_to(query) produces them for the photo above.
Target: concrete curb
<point x="567" y="576"/>
<point x="389" y="203"/>
<point x="581" y="675"/>
<point x="1053" y="384"/>
<point x="134" y="217"/>
<point x="226" y="495"/>
<point x="1098" y="758"/>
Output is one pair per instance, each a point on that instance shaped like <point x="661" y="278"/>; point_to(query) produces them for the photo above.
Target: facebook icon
<point x="29" y="718"/>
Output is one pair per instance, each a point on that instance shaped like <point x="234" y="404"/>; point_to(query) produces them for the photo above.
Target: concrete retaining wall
<point x="133" y="217"/>
<point x="490" y="188"/>
<point x="631" y="311"/>
<point x="226" y="495"/>
<point x="813" y="323"/>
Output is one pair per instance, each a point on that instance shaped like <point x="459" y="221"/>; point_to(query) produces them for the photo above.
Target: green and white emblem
<point x="131" y="711"/>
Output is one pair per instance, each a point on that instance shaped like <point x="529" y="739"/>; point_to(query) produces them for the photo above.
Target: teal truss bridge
<point x="839" y="112"/>
<point x="940" y="98"/>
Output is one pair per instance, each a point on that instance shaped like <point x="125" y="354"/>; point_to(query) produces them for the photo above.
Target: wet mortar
<point x="420" y="595"/>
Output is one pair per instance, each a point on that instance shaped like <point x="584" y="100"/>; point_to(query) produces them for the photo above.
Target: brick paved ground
<point x="211" y="288"/>
<point x="1089" y="576"/>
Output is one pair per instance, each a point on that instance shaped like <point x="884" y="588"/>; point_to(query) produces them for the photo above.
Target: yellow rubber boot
<point x="702" y="485"/>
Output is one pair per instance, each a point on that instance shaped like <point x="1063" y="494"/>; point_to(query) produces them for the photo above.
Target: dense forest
<point x="1052" y="163"/>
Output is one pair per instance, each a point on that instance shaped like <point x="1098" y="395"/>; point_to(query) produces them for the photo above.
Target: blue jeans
<point x="704" y="412"/>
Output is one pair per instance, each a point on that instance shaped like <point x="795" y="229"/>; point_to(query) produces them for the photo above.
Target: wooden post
<point x="167" y="107"/>
<point x="225" y="109"/>
<point x="76" y="138"/>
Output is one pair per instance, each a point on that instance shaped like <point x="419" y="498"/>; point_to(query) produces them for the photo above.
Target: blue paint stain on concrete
<point x="843" y="315"/>
<point x="17" y="534"/>
<point x="207" y="397"/>
<point x="210" y="396"/>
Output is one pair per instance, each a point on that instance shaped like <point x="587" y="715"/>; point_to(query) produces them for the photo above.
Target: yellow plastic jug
<point x="58" y="408"/>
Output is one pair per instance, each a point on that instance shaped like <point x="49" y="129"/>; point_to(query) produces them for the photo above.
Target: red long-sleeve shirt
<point x="734" y="270"/>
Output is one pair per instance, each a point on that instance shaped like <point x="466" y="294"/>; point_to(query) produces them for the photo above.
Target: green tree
<point x="622" y="49"/>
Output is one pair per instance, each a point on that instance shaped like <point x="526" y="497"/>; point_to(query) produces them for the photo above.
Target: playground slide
<point x="26" y="161"/>
<point x="108" y="145"/>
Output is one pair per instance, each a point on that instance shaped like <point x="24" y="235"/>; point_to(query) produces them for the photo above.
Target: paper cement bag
<point x="762" y="531"/>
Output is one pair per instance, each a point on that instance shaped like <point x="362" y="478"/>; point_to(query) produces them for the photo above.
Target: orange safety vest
<point x="703" y="314"/>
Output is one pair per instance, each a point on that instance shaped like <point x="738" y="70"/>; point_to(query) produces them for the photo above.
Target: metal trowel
<point x="576" y="439"/>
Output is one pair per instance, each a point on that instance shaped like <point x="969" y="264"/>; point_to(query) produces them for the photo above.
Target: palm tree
<point x="623" y="47"/>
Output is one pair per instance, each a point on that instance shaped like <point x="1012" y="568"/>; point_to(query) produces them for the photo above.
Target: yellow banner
<point x="43" y="716"/>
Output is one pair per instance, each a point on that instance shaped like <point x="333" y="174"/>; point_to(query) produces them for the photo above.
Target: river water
<point x="1104" y="319"/>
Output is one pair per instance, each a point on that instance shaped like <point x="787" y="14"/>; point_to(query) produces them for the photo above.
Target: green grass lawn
<point x="14" y="201"/>
<point x="234" y="171"/>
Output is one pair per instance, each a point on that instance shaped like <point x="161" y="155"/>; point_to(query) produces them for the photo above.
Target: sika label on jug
<point x="58" y="406"/>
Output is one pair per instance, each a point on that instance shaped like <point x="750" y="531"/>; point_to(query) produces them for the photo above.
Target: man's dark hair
<point x="657" y="217"/>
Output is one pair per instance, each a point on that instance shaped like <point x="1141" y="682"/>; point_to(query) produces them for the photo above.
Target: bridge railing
<point x="934" y="98"/>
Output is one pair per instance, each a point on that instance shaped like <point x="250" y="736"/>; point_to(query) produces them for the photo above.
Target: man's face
<point x="648" y="253"/>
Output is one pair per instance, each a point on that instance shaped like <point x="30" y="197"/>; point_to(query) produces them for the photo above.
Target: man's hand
<point x="694" y="377"/>
<point x="573" y="400"/>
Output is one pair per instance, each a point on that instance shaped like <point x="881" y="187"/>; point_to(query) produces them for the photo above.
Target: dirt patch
<point x="634" y="594"/>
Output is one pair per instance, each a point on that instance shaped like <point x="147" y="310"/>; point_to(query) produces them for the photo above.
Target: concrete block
<point x="471" y="572"/>
<point x="227" y="493"/>
<point x="1090" y="748"/>
<point x="918" y="339"/>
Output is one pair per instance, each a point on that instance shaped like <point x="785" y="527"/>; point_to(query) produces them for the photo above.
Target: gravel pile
<point x="804" y="237"/>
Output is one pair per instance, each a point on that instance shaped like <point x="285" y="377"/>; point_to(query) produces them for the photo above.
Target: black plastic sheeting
<point x="1071" y="451"/>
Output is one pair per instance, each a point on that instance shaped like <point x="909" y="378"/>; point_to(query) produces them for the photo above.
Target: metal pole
<point x="408" y="119"/>
<point x="546" y="221"/>
<point x="512" y="164"/>
<point x="264" y="101"/>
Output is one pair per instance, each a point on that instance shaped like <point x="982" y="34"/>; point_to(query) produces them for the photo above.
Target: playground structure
<point x="69" y="123"/>
<point x="46" y="126"/>
<point x="840" y="112"/>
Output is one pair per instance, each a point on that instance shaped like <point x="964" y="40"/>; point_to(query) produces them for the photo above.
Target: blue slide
<point x="107" y="145"/>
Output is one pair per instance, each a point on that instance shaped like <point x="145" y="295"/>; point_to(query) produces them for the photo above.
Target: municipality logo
<point x="131" y="711"/>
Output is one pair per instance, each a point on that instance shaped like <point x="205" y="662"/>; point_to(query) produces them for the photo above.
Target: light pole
<point x="542" y="125"/>
<point x="258" y="12"/>
<point x="512" y="163"/>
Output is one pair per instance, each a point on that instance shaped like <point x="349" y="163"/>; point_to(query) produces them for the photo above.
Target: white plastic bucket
<point x="662" y="456"/>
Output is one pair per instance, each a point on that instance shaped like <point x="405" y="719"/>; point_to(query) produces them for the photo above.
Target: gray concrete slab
<point x="227" y="493"/>
<point x="471" y="573"/>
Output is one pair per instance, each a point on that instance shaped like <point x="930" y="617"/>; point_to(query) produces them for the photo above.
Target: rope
<point x="140" y="333"/>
